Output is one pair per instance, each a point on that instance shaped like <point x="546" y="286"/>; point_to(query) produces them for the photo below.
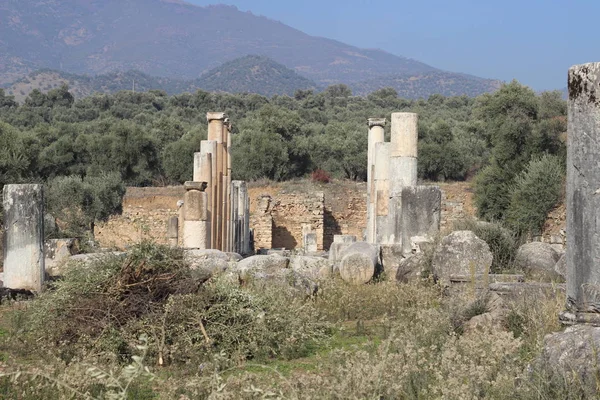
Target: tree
<point x="81" y="202"/>
<point x="534" y="193"/>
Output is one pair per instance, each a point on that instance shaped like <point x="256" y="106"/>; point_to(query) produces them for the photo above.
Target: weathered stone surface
<point x="358" y="263"/>
<point x="261" y="264"/>
<point x="537" y="260"/>
<point x="279" y="252"/>
<point x="310" y="242"/>
<point x="491" y="320"/>
<point x="56" y="251"/>
<point x="312" y="267"/>
<point x="420" y="214"/>
<point x="206" y="254"/>
<point x="583" y="182"/>
<point x="339" y="245"/>
<point x="461" y="253"/>
<point x="234" y="256"/>
<point x="411" y="268"/>
<point x="391" y="256"/>
<point x="357" y="268"/>
<point x="23" y="237"/>
<point x="561" y="266"/>
<point x="573" y="353"/>
<point x="531" y="289"/>
<point x="210" y="266"/>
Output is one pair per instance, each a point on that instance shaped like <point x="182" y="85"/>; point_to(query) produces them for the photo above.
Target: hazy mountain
<point x="177" y="40"/>
<point x="252" y="74"/>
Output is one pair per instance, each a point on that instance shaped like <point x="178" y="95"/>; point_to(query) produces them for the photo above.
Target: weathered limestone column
<point x="235" y="225"/>
<point x="376" y="135"/>
<point x="402" y="169"/>
<point x="403" y="151"/>
<point x="195" y="218"/>
<point x="173" y="231"/>
<point x="23" y="237"/>
<point x="228" y="187"/>
<point x="225" y="202"/>
<point x="583" y="200"/>
<point x="244" y="215"/>
<point x="240" y="208"/>
<point x="215" y="132"/>
<point x="382" y="192"/>
<point x="209" y="148"/>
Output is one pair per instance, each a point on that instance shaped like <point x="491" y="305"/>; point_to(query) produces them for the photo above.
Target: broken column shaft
<point x="376" y="135"/>
<point x="208" y="149"/>
<point x="23" y="237"/>
<point x="216" y="121"/>
<point x="382" y="192"/>
<point x="195" y="216"/>
<point x="403" y="151"/>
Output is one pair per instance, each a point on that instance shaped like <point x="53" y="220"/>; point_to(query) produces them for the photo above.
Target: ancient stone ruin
<point x="215" y="212"/>
<point x="24" y="237"/>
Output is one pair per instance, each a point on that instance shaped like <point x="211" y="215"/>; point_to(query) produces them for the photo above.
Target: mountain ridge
<point x="175" y="39"/>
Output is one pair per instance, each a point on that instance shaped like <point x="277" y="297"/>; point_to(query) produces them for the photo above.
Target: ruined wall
<point x="293" y="210"/>
<point x="346" y="212"/>
<point x="145" y="215"/>
<point x="331" y="209"/>
<point x="261" y="222"/>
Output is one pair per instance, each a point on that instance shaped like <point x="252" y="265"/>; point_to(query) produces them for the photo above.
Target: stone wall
<point x="291" y="211"/>
<point x="261" y="222"/>
<point x="346" y="213"/>
<point x="337" y="208"/>
<point x="145" y="215"/>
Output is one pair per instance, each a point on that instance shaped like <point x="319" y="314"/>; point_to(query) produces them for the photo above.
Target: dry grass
<point x="376" y="341"/>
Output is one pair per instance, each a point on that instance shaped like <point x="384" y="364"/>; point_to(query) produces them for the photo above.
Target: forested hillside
<point x="250" y="74"/>
<point x="149" y="138"/>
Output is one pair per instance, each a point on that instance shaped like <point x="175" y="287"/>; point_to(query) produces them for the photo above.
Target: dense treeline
<point x="149" y="138"/>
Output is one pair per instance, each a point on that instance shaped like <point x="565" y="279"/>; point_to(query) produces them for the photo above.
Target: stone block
<point x="419" y="214"/>
<point x="461" y="253"/>
<point x="24" y="262"/>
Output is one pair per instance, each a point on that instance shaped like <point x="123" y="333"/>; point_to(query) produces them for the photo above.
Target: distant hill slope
<point x="253" y="74"/>
<point x="423" y="85"/>
<point x="176" y="40"/>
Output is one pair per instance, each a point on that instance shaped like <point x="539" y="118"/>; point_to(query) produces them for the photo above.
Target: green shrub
<point x="102" y="309"/>
<point x="535" y="192"/>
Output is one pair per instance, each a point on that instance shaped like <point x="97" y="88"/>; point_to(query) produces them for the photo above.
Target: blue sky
<point x="533" y="41"/>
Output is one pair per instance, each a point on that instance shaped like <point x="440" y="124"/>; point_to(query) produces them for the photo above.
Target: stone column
<point x="24" y="237"/>
<point x="583" y="200"/>
<point x="235" y="225"/>
<point x="209" y="148"/>
<point x="225" y="201"/>
<point x="403" y="151"/>
<point x="195" y="219"/>
<point x="376" y="135"/>
<point x="228" y="186"/>
<point x="382" y="192"/>
<point x="215" y="132"/>
<point x="240" y="215"/>
<point x="173" y="231"/>
<point x="402" y="169"/>
<point x="244" y="215"/>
